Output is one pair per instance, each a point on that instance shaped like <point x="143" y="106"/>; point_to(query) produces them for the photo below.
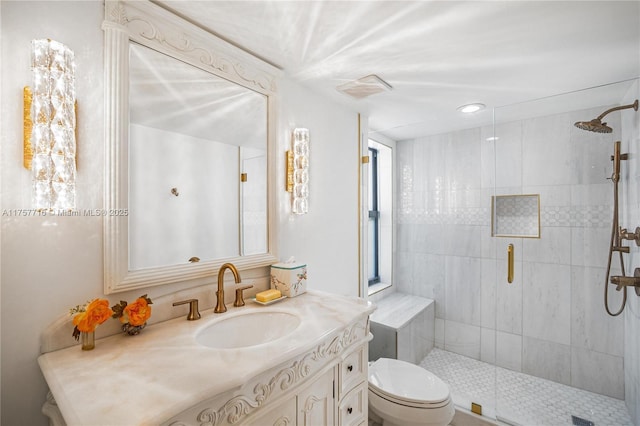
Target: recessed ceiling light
<point x="492" y="138"/>
<point x="470" y="108"/>
<point x="365" y="86"/>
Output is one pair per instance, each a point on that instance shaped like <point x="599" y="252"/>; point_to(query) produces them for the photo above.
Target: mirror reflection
<point x="197" y="164"/>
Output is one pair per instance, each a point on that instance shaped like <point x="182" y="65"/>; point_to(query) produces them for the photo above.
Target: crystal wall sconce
<point x="297" y="161"/>
<point x="50" y="125"/>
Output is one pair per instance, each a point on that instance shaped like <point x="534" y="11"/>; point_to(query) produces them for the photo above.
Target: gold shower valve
<point x="631" y="236"/>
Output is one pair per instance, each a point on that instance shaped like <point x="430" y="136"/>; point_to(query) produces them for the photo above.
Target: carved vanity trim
<point x="225" y="410"/>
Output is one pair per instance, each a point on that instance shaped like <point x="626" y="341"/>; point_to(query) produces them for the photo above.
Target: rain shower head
<point x="596" y="125"/>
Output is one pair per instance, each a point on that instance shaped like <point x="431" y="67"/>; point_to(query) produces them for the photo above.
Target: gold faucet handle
<point x="240" y="296"/>
<point x="194" y="314"/>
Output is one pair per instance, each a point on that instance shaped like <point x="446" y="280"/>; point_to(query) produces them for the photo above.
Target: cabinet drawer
<point x="353" y="370"/>
<point x="352" y="410"/>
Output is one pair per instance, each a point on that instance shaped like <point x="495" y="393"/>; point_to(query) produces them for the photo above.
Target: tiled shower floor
<point x="522" y="399"/>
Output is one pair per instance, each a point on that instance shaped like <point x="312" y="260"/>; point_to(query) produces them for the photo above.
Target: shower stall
<point x="508" y="228"/>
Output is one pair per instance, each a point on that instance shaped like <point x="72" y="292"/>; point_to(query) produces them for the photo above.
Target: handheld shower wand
<point x="615" y="236"/>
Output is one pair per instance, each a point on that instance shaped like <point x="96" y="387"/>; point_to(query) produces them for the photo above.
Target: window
<point x="374" y="218"/>
<point x="380" y="226"/>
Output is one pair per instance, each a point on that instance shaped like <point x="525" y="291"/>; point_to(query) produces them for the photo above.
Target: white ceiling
<point x="437" y="55"/>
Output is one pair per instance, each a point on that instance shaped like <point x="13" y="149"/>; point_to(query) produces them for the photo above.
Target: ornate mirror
<point x="189" y="135"/>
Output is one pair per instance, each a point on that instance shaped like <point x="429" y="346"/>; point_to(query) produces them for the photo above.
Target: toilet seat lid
<point x="407" y="382"/>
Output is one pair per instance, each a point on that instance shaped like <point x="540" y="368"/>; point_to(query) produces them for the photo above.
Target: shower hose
<point x="615" y="236"/>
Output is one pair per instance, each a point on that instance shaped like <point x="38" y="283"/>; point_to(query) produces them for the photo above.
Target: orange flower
<point x="81" y="321"/>
<point x="137" y="313"/>
<point x="95" y="313"/>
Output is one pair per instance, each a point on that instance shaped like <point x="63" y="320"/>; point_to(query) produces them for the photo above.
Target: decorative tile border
<point x="569" y="216"/>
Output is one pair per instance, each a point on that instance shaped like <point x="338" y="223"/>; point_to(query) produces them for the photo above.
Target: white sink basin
<point x="250" y="329"/>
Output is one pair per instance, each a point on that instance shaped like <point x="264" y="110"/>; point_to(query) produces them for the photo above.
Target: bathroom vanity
<point x="302" y="361"/>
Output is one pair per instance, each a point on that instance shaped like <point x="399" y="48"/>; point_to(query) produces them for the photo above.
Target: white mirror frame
<point x="154" y="27"/>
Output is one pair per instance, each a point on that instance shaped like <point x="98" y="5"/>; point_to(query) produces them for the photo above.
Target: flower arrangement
<point x="133" y="316"/>
<point x="87" y="317"/>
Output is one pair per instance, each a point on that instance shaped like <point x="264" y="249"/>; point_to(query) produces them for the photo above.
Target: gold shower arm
<point x="633" y="105"/>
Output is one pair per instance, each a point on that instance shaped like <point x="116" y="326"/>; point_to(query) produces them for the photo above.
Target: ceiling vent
<point x="365" y="86"/>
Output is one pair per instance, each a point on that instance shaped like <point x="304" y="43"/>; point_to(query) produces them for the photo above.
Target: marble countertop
<point x="151" y="377"/>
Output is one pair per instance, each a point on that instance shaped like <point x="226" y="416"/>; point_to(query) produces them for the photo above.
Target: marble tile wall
<point x="550" y="322"/>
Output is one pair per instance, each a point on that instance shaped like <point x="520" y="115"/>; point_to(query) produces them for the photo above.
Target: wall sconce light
<point x="297" y="180"/>
<point x="49" y="126"/>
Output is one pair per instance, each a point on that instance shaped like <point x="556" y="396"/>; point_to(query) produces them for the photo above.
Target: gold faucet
<point x="220" y="306"/>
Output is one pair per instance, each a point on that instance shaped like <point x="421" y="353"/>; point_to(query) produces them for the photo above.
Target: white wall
<point x="327" y="237"/>
<point x="50" y="264"/>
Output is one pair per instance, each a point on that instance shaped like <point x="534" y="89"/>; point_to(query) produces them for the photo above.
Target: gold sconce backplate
<point x="28" y="127"/>
<point x="27" y="149"/>
<point x="289" y="169"/>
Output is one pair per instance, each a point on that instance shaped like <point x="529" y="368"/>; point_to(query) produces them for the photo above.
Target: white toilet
<point x="404" y="394"/>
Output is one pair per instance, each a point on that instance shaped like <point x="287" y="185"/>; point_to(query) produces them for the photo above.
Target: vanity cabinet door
<point x="281" y="414"/>
<point x="316" y="403"/>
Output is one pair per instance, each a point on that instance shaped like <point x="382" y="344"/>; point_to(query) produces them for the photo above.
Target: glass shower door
<point x="559" y="356"/>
